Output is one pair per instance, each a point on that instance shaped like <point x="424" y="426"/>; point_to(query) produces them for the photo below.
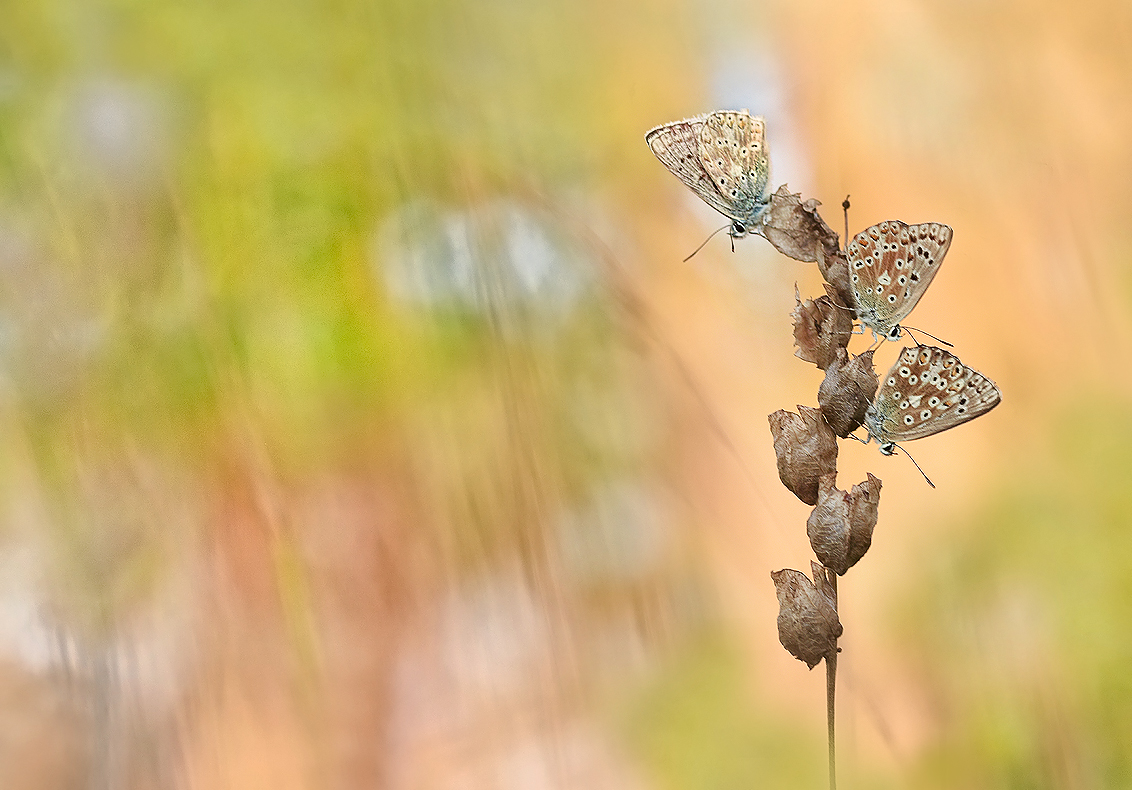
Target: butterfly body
<point x="928" y="390"/>
<point x="722" y="157"/>
<point x="891" y="264"/>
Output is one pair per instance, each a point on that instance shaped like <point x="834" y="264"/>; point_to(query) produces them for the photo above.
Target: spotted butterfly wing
<point x="676" y="145"/>
<point x="890" y="266"/>
<point x="928" y="390"/>
<point x="733" y="152"/>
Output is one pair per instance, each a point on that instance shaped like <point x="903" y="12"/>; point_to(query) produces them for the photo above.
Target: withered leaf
<point x="795" y="228"/>
<point x="864" y="503"/>
<point x="847" y="391"/>
<point x="805" y="448"/>
<point x="840" y="527"/>
<point x="820" y="328"/>
<point x="807" y="619"/>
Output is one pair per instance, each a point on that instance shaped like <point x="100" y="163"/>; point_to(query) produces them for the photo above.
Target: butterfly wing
<point x="733" y="152"/>
<point x="928" y="390"/>
<point x="890" y="266"/>
<point x="676" y="145"/>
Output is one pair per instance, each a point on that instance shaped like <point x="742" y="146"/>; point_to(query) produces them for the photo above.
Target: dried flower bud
<point x="847" y="391"/>
<point x="795" y="228"/>
<point x="840" y="528"/>
<point x="835" y="270"/>
<point x="806" y="449"/>
<point x="807" y="618"/>
<point x="820" y="328"/>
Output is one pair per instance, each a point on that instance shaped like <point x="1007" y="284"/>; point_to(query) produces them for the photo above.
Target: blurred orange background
<point x="363" y="427"/>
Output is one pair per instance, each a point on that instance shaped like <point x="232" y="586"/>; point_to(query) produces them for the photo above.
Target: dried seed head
<point x="795" y="228"/>
<point x="807" y="618"/>
<point x="806" y="449"/>
<point x="840" y="527"/>
<point x="847" y="391"/>
<point x="820" y="328"/>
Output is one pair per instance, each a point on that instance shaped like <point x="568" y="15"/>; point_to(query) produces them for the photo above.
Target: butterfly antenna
<point x="845" y="208"/>
<point x="709" y="238"/>
<point x="913" y="460"/>
<point x="909" y="329"/>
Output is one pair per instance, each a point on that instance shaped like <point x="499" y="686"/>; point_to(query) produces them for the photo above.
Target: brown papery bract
<point x="840" y="527"/>
<point x="821" y="327"/>
<point x="835" y="271"/>
<point x="847" y="391"/>
<point x="796" y="229"/>
<point x="806" y="449"/>
<point x="808" y="625"/>
<point x="864" y="504"/>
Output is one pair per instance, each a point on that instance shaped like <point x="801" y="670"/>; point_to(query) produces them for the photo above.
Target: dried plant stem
<point x="831" y="696"/>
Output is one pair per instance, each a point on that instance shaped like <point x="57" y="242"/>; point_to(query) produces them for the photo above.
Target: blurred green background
<point x="362" y="426"/>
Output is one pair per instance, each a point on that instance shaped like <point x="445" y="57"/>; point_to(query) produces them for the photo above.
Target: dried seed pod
<point x="820" y="328"/>
<point x="807" y="618"/>
<point x="806" y="449"/>
<point x="795" y="228"/>
<point x="847" y="391"/>
<point x="864" y="503"/>
<point x="824" y="580"/>
<point x="840" y="527"/>
<point x="835" y="270"/>
<point x="828" y="526"/>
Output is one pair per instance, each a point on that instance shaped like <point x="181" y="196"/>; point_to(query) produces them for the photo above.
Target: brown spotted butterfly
<point x="722" y="157"/>
<point x="928" y="390"/>
<point x="890" y="266"/>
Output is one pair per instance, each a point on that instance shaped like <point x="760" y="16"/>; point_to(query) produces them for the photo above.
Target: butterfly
<point x="928" y="390"/>
<point x="722" y="157"/>
<point x="890" y="266"/>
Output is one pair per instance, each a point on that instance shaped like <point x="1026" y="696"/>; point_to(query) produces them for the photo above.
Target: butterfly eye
<point x="925" y="414"/>
<point x="904" y="372"/>
<point x="908" y="420"/>
<point x="933" y="401"/>
<point x="892" y="298"/>
<point x="901" y="279"/>
<point x="892" y="381"/>
<point x="911" y="379"/>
